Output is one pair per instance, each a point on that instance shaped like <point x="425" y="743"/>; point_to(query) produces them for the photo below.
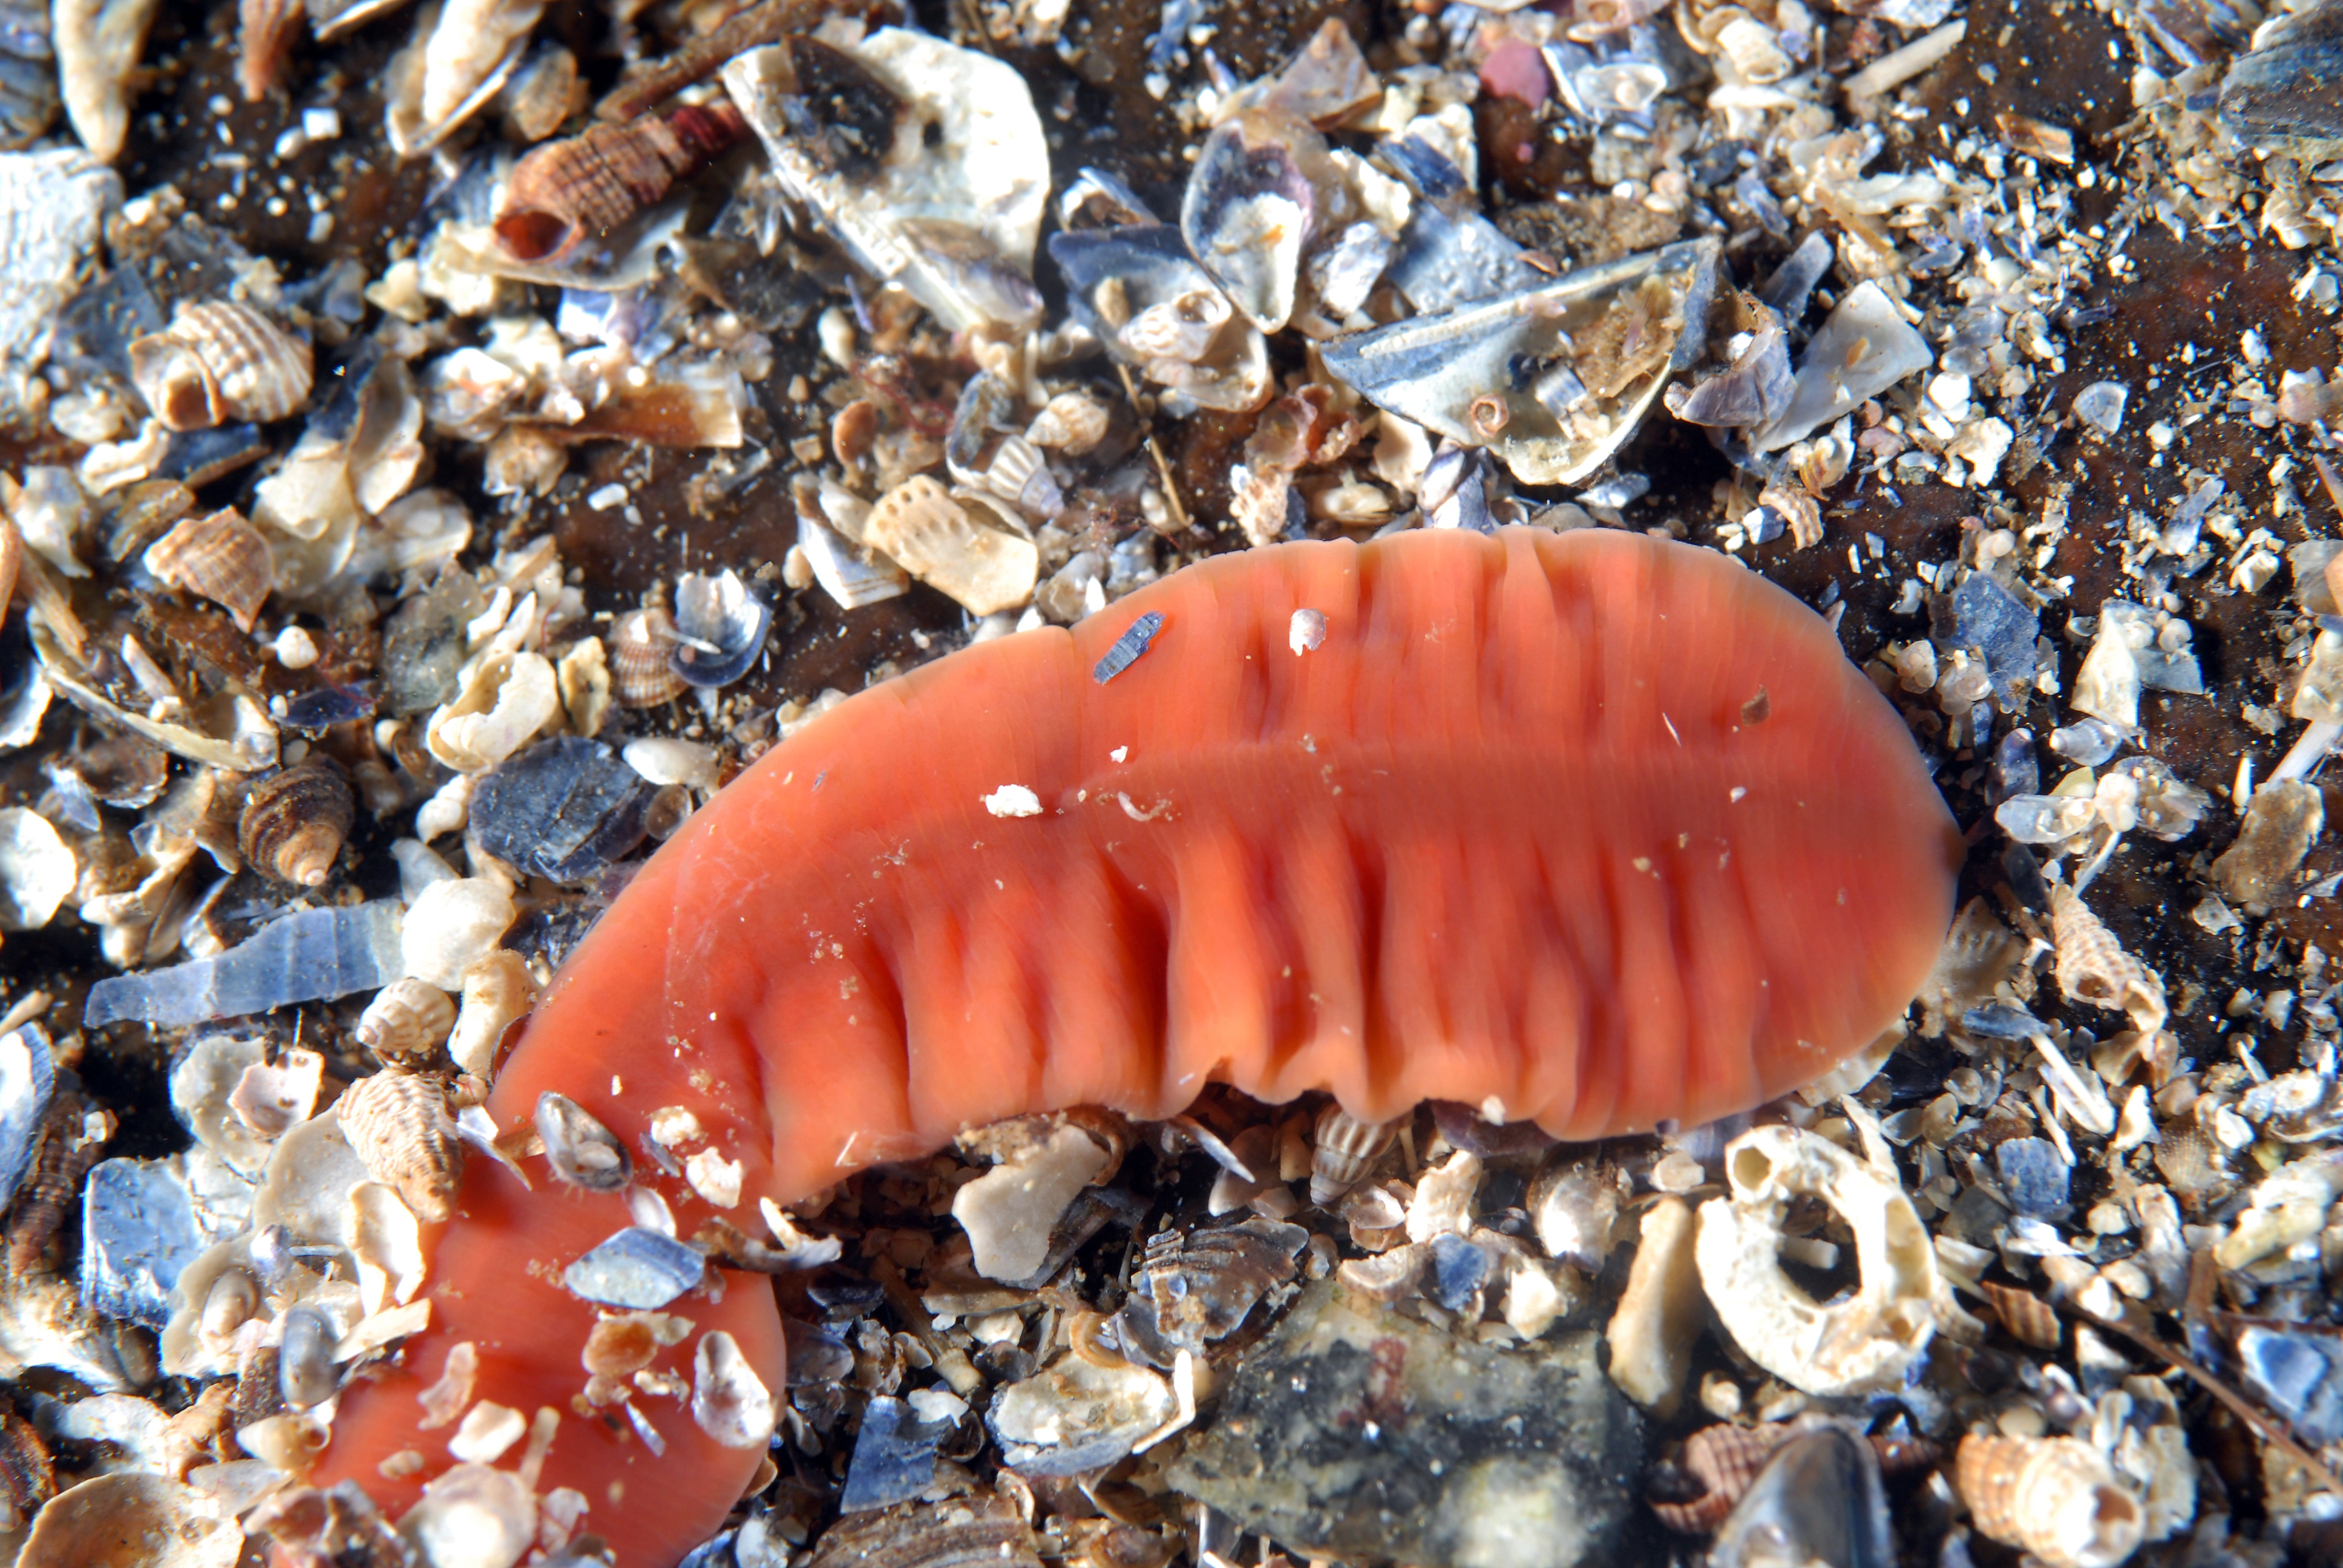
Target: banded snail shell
<point x="1342" y="1150"/>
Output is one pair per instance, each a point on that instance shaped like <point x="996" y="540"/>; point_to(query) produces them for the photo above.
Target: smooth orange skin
<point x="1481" y="843"/>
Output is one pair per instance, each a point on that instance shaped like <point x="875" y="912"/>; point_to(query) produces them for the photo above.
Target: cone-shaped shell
<point x="2057" y="1497"/>
<point x="397" y="1123"/>
<point x="1505" y="832"/>
<point x="294" y="822"/>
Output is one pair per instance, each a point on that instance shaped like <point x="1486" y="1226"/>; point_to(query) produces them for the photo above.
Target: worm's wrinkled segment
<point x="1504" y="831"/>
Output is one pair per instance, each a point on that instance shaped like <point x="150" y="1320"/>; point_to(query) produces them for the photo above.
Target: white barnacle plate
<point x="969" y="155"/>
<point x="1551" y="379"/>
<point x="1862" y="1343"/>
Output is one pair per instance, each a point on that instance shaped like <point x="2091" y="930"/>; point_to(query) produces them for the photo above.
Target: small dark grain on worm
<point x="1511" y="836"/>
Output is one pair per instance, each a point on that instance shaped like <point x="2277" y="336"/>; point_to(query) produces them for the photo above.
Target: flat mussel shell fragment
<point x="565" y="808"/>
<point x="1263" y="188"/>
<point x="581" y="1150"/>
<point x="720" y="628"/>
<point x="2288" y="94"/>
<point x="1551" y="380"/>
<point x="1818" y="1500"/>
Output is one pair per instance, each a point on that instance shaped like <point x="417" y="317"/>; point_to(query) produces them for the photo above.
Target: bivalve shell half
<point x="295" y="823"/>
<point x="397" y="1123"/>
<point x="720" y="628"/>
<point x="641" y="672"/>
<point x="220" y="363"/>
<point x="934" y="537"/>
<point x="2057" y="1497"/>
<point x="220" y="558"/>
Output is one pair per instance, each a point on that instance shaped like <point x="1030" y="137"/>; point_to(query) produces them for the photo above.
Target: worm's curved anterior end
<point x="1526" y="821"/>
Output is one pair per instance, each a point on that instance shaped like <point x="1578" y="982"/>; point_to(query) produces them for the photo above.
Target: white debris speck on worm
<point x="1013" y="801"/>
<point x="1308" y="631"/>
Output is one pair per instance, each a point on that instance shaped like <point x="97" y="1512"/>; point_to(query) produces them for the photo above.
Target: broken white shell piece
<point x="1442" y="1205"/>
<point x="2109" y="685"/>
<point x="506" y="700"/>
<point x="1306" y="631"/>
<point x="386" y="1239"/>
<point x="849" y="574"/>
<point x="486" y="1431"/>
<point x="449" y="925"/>
<point x="474" y="1516"/>
<point x="37" y="869"/>
<point x="970" y="160"/>
<point x="1009" y="1211"/>
<point x="1013" y="801"/>
<point x="270" y="1097"/>
<point x="714" y="1178"/>
<point x="1658" y="1316"/>
<point x="1864" y="1343"/>
<point x="1864" y="347"/>
<point x="1077" y="1406"/>
<point x="729" y="1400"/>
<point x="498" y="988"/>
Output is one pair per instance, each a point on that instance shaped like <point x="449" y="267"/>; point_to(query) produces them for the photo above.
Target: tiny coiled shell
<point x="2057" y="1497"/>
<point x="218" y="363"/>
<point x="497" y="989"/>
<point x="581" y="1150"/>
<point x="1341" y="1151"/>
<point x="641" y="673"/>
<point x="1072" y="422"/>
<point x="397" y="1125"/>
<point x="920" y="526"/>
<point x="2028" y="1318"/>
<point x="220" y="558"/>
<point x="305" y="1363"/>
<point x="295" y="822"/>
<point x="2093" y="966"/>
<point x="407" y="1019"/>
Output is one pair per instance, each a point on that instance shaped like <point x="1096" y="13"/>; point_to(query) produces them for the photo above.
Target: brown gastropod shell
<point x="2057" y="1497"/>
<point x="408" y="1019"/>
<point x="584" y="187"/>
<point x="397" y="1125"/>
<point x="641" y="672"/>
<point x="295" y="822"/>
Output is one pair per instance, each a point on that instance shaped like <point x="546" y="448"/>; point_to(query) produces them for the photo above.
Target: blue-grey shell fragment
<point x="1127" y="647"/>
<point x="28" y="1075"/>
<point x="565" y="808"/>
<point x="894" y="1458"/>
<point x="1551" y="380"/>
<point x="2288" y="93"/>
<point x="1818" y="1500"/>
<point x="2036" y="1176"/>
<point x="637" y="1269"/>
<point x="315" y="955"/>
<point x="138" y="1230"/>
<point x="2299" y="1375"/>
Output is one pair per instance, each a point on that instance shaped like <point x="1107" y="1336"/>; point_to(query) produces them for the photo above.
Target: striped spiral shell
<point x="295" y="822"/>
<point x="407" y="1019"/>
<point x="641" y="673"/>
<point x="397" y="1125"/>
<point x="2057" y="1497"/>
